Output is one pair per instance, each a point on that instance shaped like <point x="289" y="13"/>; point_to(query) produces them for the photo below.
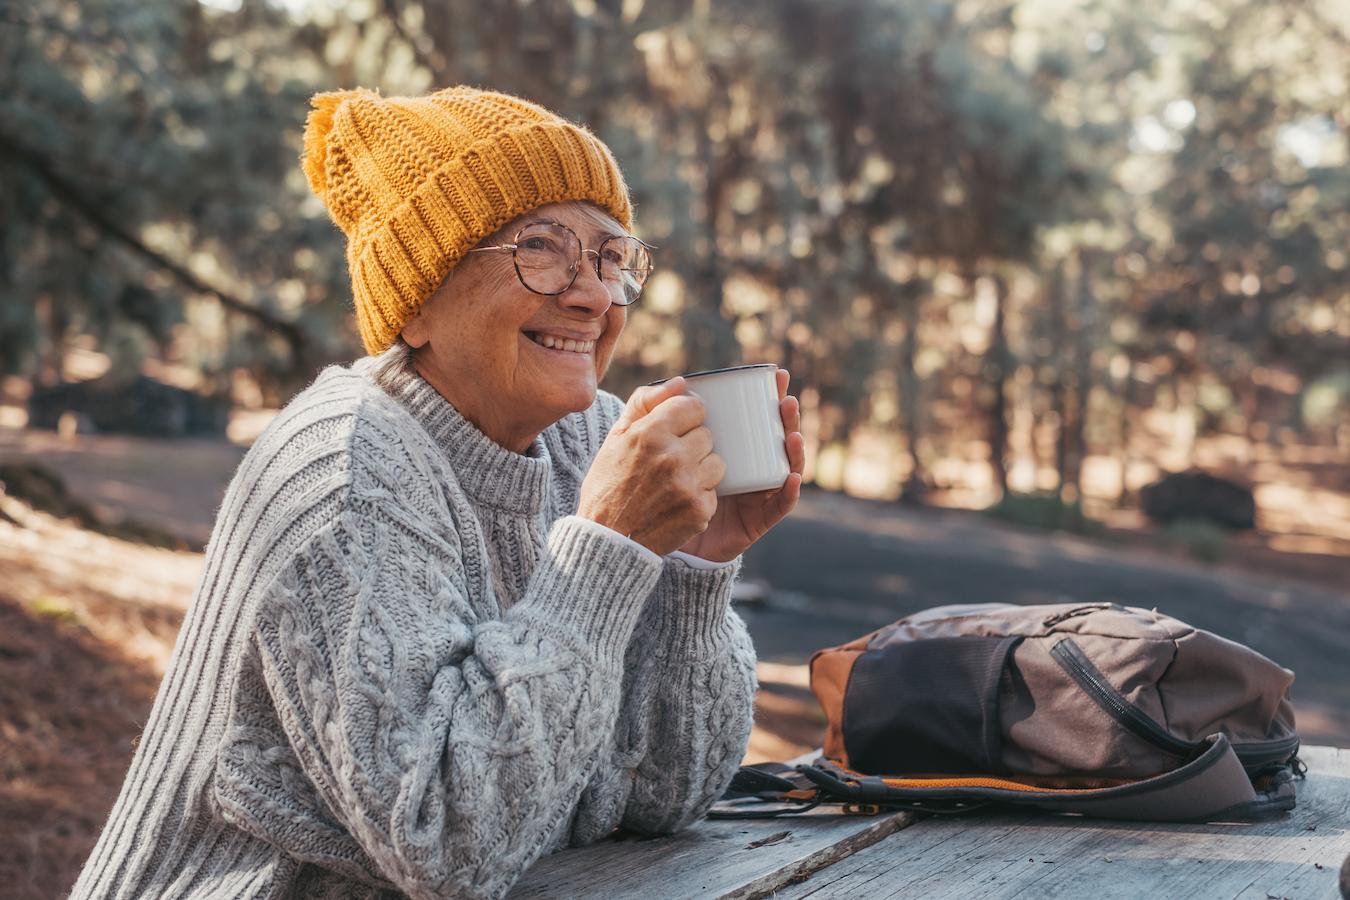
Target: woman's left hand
<point x="742" y="519"/>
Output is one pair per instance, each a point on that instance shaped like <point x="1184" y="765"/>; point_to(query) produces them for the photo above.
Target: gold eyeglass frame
<point x="576" y="264"/>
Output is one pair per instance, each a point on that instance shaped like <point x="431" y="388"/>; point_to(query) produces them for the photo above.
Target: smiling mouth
<point x="566" y="345"/>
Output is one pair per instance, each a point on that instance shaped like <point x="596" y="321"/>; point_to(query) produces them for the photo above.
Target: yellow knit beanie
<point x="415" y="182"/>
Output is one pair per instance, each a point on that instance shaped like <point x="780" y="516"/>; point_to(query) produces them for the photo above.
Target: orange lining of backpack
<point x="1029" y="783"/>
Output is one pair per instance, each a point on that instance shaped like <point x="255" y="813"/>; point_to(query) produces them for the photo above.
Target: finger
<point x="679" y="415"/>
<point x="711" y="470"/>
<point x="783" y="377"/>
<point x="790" y="411"/>
<point x="796" y="452"/>
<point x="648" y="397"/>
<point x="788" y="495"/>
<point x="698" y="443"/>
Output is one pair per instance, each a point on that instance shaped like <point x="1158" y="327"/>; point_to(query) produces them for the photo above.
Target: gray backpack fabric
<point x="1098" y="709"/>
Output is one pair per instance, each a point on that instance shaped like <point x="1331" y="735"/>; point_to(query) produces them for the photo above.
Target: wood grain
<point x="1058" y="856"/>
<point x="733" y="858"/>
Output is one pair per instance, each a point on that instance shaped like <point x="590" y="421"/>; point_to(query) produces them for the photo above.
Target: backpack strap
<point x="1211" y="786"/>
<point x="767" y="791"/>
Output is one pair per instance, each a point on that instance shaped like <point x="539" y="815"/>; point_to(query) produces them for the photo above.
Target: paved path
<point x="841" y="567"/>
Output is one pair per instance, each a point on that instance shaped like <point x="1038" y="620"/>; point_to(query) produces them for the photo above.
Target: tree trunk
<point x="1127" y="400"/>
<point x="709" y="340"/>
<point x="1086" y="341"/>
<point x="74" y="199"/>
<point x="997" y="370"/>
<point x="911" y="394"/>
<point x="1058" y="397"/>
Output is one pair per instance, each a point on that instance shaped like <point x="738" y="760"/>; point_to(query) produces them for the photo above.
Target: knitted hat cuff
<point x="397" y="264"/>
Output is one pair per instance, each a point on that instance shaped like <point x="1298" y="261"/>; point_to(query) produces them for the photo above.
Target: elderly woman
<point x="461" y="608"/>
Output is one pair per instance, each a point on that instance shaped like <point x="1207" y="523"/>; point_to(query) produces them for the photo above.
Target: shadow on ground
<point x="70" y="710"/>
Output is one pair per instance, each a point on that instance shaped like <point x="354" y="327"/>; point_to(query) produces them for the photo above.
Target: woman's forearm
<point x="452" y="749"/>
<point x="689" y="709"/>
<point x="688" y="699"/>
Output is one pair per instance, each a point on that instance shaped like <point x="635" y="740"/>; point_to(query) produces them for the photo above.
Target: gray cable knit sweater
<point x="408" y="670"/>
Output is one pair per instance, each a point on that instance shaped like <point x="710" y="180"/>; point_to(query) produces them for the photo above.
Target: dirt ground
<point x="86" y="625"/>
<point x="87" y="621"/>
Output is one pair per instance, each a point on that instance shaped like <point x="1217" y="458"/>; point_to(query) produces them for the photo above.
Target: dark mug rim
<point x="689" y="375"/>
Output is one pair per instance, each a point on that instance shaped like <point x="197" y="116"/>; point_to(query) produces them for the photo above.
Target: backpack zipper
<point x="1074" y="661"/>
<point x="1263" y="754"/>
<point x="1253" y="756"/>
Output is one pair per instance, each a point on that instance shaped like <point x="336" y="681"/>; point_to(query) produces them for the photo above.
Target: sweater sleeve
<point x="696" y="663"/>
<point x="452" y="749"/>
<point x="688" y="693"/>
<point x="687" y="710"/>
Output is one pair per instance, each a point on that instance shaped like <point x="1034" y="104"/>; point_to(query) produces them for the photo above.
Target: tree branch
<point x="68" y="194"/>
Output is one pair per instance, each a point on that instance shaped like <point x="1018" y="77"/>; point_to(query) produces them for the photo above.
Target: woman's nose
<point x="588" y="293"/>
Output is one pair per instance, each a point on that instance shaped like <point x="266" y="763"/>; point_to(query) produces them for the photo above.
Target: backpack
<point x="1097" y="709"/>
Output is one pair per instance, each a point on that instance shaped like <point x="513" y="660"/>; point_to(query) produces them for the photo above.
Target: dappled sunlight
<point x="1302" y="496"/>
<point x="1023" y="263"/>
<point x="124" y="594"/>
<point x="787" y="724"/>
<point x="247" y="424"/>
<point x="1320" y="546"/>
<point x="783" y="675"/>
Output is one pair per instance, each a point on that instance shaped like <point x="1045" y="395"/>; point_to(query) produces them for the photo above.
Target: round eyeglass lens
<point x="624" y="264"/>
<point x="546" y="256"/>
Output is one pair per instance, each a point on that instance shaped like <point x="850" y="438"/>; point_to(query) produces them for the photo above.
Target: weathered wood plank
<point x="795" y="872"/>
<point x="740" y="858"/>
<point x="1055" y="856"/>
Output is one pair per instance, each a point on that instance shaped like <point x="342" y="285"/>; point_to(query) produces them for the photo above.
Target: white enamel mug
<point x="742" y="412"/>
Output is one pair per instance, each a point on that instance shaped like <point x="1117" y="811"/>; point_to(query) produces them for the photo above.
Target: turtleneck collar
<point x="487" y="471"/>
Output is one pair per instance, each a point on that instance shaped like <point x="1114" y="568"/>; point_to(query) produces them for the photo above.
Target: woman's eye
<point x="536" y="243"/>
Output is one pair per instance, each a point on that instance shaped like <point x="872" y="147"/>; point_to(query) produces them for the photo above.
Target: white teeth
<point x="566" y="344"/>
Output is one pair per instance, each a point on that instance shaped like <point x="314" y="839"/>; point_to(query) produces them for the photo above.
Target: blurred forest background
<point x="1019" y="256"/>
<point x="1042" y="245"/>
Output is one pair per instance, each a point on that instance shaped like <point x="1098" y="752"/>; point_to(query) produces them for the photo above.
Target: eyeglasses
<point x="548" y="256"/>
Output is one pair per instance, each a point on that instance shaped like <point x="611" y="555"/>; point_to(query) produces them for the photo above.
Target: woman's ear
<point x="414" y="331"/>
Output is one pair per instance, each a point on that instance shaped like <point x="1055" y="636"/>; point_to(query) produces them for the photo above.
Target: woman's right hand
<point x="654" y="476"/>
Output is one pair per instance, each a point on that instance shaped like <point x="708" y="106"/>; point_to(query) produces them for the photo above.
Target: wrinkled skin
<point x="477" y="341"/>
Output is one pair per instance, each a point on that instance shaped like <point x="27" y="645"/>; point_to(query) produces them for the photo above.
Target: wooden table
<point x="983" y="855"/>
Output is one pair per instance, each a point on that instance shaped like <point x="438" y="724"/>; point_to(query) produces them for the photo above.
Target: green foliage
<point x="164" y="125"/>
<point x="1200" y="538"/>
<point x="1045" y="511"/>
<point x="1167" y="182"/>
<point x="1251" y="183"/>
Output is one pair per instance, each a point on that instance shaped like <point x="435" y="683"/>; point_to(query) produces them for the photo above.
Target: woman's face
<point x="480" y="339"/>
